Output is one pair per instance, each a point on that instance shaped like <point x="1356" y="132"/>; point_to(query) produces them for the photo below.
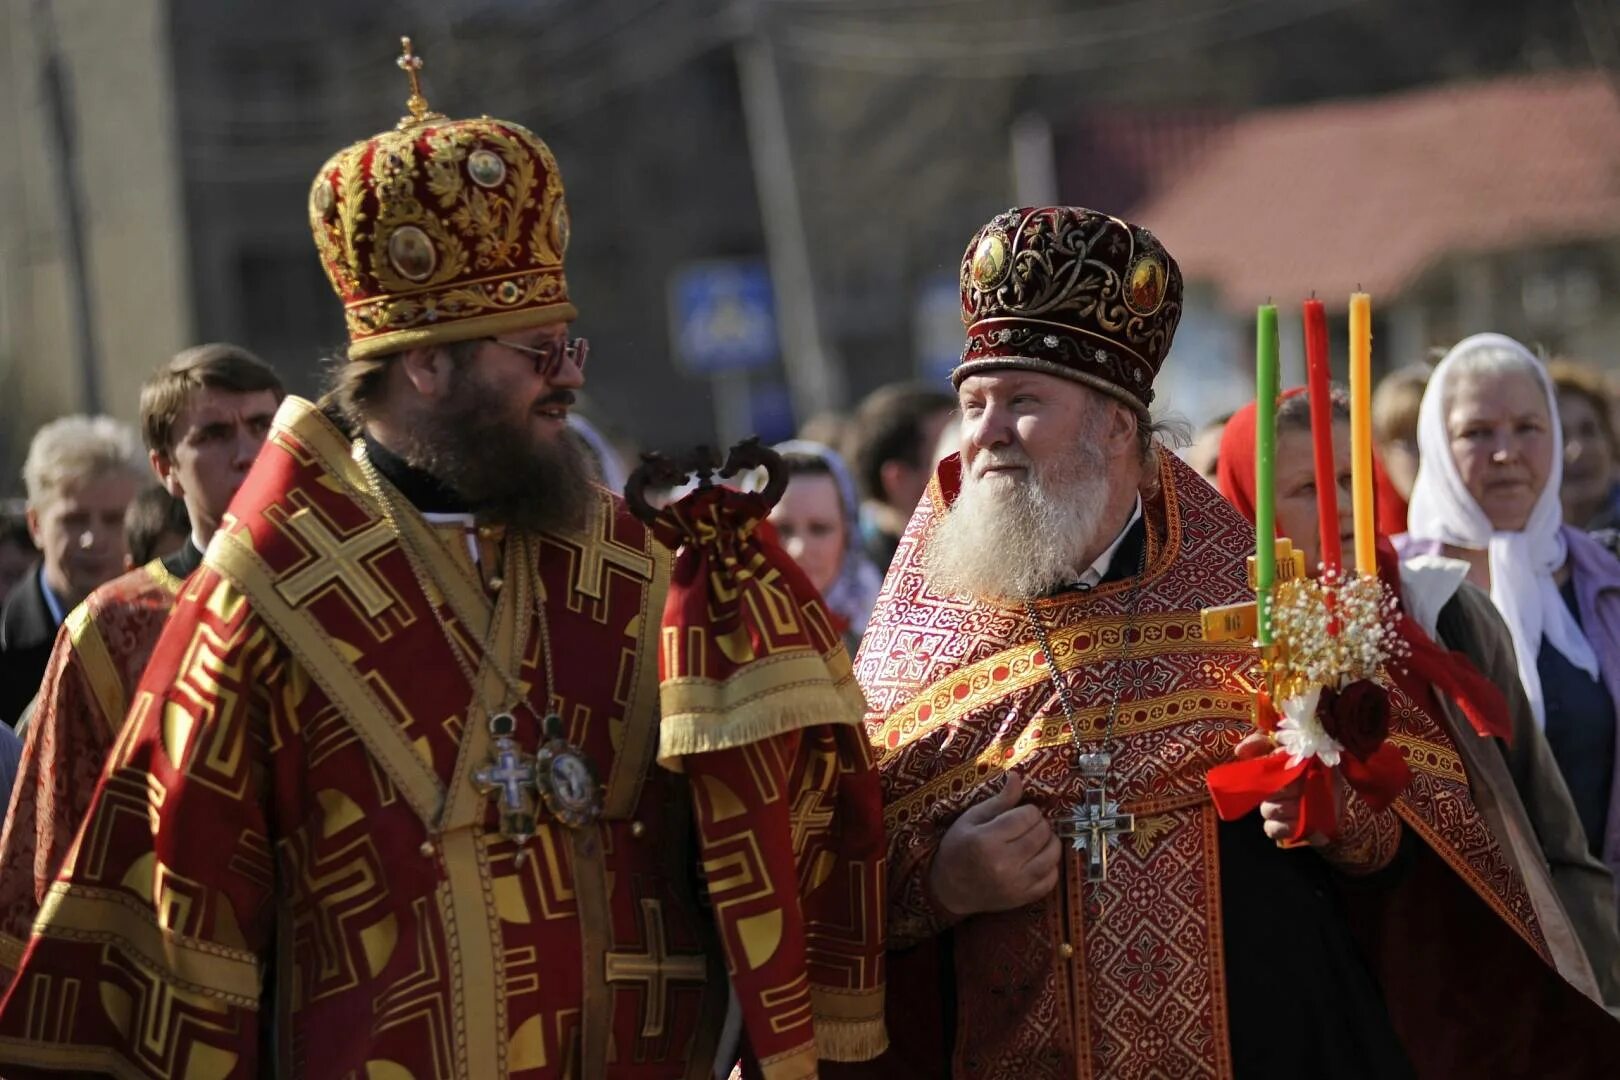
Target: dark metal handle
<point x="704" y="463"/>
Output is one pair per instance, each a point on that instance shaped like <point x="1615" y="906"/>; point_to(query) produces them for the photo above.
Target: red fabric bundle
<point x="761" y="710"/>
<point x="1238" y="787"/>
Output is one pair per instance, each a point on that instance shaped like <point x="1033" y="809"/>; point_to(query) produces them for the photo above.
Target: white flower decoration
<point x="1302" y="734"/>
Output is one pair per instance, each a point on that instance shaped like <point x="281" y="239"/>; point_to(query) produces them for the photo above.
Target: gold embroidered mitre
<point x="442" y="230"/>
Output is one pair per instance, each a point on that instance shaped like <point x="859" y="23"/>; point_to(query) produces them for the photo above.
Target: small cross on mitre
<point x="411" y="65"/>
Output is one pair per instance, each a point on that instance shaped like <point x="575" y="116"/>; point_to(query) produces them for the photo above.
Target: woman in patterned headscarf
<point x="817" y="522"/>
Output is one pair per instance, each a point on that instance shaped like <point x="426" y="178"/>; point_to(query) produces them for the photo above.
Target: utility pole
<point x="60" y="145"/>
<point x="814" y="377"/>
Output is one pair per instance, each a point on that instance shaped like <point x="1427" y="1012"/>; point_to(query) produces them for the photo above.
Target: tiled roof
<point x="1112" y="157"/>
<point x="1373" y="192"/>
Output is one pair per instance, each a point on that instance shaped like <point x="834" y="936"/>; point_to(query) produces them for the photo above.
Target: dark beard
<point x="496" y="465"/>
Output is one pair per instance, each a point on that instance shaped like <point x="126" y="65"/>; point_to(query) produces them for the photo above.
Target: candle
<point x="1319" y="378"/>
<point x="1361" y="477"/>
<point x="1266" y="388"/>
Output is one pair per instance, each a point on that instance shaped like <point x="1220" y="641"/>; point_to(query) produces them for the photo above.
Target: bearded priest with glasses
<point x="390" y="801"/>
<point x="1063" y="899"/>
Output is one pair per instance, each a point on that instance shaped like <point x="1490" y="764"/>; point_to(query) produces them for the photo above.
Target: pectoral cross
<point x="1096" y="824"/>
<point x="510" y="776"/>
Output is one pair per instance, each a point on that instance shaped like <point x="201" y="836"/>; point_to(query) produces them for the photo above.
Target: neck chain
<point x="559" y="774"/>
<point x="419" y="570"/>
<point x="1096" y="824"/>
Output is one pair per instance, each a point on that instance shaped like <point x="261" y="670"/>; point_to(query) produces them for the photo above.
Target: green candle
<point x="1266" y="389"/>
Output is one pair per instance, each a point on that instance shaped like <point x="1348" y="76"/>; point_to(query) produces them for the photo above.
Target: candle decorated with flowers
<point x="1266" y="388"/>
<point x="1319" y="379"/>
<point x="1361" y="470"/>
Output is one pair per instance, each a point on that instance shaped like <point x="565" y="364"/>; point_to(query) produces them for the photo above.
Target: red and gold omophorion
<point x="1124" y="977"/>
<point x="99" y="656"/>
<point x="287" y="865"/>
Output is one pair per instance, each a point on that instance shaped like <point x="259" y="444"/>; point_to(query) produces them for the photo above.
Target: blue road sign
<point x="723" y="317"/>
<point x="936" y="328"/>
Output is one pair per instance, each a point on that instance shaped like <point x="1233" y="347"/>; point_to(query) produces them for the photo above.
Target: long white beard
<point x="1016" y="537"/>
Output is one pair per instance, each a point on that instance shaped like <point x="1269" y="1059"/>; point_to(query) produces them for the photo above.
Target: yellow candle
<point x="1361" y="470"/>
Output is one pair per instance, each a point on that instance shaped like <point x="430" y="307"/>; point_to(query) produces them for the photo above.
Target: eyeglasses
<point x="549" y="356"/>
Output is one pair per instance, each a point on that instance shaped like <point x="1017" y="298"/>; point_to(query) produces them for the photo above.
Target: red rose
<point x="1357" y="716"/>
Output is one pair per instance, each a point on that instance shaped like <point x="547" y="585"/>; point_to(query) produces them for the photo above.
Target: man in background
<point x="81" y="472"/>
<point x="204" y="416"/>
<point x="17" y="552"/>
<point x="891" y="447"/>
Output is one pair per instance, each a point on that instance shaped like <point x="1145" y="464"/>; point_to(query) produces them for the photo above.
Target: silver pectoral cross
<point x="1096" y="824"/>
<point x="509" y="775"/>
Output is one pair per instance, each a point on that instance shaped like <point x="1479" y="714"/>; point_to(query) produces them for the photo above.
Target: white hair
<point x="72" y="450"/>
<point x="1488" y="358"/>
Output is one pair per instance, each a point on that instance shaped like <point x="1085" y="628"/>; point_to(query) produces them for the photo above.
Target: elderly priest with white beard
<point x="1064" y="901"/>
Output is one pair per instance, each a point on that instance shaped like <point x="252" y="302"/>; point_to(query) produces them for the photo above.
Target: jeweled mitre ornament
<point x="1071" y="292"/>
<point x="442" y="230"/>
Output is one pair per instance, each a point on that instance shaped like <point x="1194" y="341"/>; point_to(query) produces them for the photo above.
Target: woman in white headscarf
<point x="817" y="521"/>
<point x="1487" y="493"/>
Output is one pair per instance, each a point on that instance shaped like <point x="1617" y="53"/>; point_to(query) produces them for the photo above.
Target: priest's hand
<point x="997" y="856"/>
<point x="1256" y="745"/>
<point x="1280" y="812"/>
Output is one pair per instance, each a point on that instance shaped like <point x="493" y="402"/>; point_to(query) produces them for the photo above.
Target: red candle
<point x="1319" y="378"/>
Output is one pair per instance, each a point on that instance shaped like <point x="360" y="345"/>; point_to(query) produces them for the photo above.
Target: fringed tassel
<point x="764" y="717"/>
<point x="850" y="1040"/>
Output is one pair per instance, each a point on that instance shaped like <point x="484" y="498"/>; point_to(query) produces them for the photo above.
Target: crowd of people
<point x="337" y="746"/>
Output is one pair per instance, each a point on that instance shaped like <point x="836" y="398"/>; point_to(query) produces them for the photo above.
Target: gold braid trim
<point x="798" y="1063"/>
<point x="97" y="667"/>
<point x="210" y="970"/>
<point x="767" y="698"/>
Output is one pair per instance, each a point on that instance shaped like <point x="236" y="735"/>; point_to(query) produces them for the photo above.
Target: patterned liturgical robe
<point x="99" y="656"/>
<point x="288" y="868"/>
<point x="1125" y="977"/>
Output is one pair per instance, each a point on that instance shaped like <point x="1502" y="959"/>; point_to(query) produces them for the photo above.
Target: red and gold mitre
<point x="1070" y="292"/>
<point x="442" y="230"/>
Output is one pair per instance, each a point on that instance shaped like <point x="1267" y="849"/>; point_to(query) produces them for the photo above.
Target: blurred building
<point x="852" y="146"/>
<point x="88" y="108"/>
<point x="198" y="126"/>
<point x="1478" y="206"/>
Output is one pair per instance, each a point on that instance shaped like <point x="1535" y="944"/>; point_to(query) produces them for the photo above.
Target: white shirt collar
<point x="1099" y="569"/>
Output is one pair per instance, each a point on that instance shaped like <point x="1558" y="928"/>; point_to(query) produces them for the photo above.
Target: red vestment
<point x="287" y="854"/>
<point x="99" y="656"/>
<point x="1126" y="978"/>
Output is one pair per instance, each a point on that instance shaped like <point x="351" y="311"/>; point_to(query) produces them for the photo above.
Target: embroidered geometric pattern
<point x="959" y="693"/>
<point x="254" y="822"/>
